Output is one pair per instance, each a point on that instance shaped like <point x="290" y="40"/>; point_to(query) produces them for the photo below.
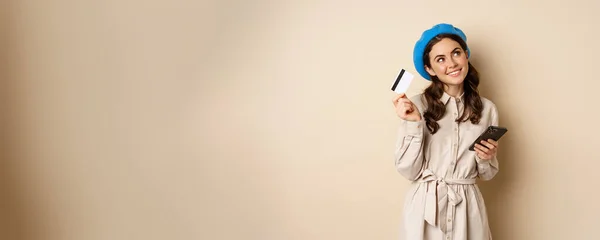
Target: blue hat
<point x="424" y="40"/>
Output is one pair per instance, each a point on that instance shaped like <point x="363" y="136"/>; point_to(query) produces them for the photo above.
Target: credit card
<point x="402" y="81"/>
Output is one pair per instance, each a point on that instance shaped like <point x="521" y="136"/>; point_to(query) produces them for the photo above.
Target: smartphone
<point x="492" y="132"/>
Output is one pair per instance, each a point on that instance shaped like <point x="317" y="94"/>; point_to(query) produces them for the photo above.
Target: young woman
<point x="436" y="129"/>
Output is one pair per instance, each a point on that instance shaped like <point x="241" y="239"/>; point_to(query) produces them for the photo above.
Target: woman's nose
<point x="452" y="62"/>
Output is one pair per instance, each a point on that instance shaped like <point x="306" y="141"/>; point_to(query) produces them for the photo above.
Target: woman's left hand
<point x="488" y="150"/>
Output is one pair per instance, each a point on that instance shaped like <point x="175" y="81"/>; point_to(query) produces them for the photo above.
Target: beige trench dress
<point x="443" y="201"/>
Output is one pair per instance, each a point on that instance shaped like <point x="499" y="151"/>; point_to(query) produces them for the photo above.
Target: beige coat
<point x="443" y="201"/>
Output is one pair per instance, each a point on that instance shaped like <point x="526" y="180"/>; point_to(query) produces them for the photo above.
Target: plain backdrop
<point x="272" y="120"/>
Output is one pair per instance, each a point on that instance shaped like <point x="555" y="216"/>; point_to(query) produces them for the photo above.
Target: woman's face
<point x="448" y="61"/>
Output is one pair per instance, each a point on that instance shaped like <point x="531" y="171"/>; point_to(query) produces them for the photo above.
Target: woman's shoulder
<point x="488" y="105"/>
<point x="418" y="100"/>
<point x="487" y="102"/>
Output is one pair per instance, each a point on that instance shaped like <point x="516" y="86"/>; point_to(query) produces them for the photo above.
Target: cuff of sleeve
<point x="415" y="128"/>
<point x="482" y="162"/>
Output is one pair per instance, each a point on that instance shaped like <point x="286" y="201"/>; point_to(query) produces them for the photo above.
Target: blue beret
<point x="424" y="40"/>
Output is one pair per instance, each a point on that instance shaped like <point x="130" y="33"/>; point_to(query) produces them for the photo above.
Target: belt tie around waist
<point x="436" y="207"/>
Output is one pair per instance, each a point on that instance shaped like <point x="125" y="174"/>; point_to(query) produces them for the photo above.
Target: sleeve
<point x="487" y="169"/>
<point x="409" y="149"/>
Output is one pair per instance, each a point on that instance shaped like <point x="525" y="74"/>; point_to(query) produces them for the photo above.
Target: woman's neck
<point x="454" y="90"/>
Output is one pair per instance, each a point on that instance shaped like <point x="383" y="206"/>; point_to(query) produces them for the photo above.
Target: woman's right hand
<point x="405" y="109"/>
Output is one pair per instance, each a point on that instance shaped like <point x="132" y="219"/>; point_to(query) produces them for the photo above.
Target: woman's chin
<point x="454" y="80"/>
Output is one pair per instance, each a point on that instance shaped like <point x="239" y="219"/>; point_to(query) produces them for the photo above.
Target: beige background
<point x="272" y="120"/>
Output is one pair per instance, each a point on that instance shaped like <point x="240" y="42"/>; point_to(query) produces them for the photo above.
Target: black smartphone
<point x="492" y="132"/>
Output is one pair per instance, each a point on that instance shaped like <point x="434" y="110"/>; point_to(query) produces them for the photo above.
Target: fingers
<point x="489" y="144"/>
<point x="493" y="142"/>
<point x="405" y="101"/>
<point x="482" y="154"/>
<point x="405" y="104"/>
<point x="408" y="107"/>
<point x="397" y="97"/>
<point x="482" y="149"/>
<point x="486" y="149"/>
<point x="404" y="107"/>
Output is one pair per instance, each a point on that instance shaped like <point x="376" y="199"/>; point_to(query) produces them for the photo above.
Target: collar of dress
<point x="446" y="97"/>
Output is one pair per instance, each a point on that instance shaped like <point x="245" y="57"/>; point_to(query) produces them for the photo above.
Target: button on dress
<point x="443" y="200"/>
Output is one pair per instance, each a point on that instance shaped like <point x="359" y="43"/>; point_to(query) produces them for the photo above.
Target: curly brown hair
<point x="435" y="108"/>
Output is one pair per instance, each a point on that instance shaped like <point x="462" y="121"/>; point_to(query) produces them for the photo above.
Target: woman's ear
<point x="430" y="71"/>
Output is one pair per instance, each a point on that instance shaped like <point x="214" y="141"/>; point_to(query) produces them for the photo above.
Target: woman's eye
<point x="457" y="53"/>
<point x="440" y="60"/>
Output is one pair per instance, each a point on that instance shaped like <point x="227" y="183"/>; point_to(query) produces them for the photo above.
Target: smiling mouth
<point x="455" y="73"/>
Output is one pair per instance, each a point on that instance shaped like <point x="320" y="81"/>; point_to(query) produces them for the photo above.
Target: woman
<point x="436" y="129"/>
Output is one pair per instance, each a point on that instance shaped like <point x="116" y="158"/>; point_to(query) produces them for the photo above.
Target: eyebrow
<point x="441" y="55"/>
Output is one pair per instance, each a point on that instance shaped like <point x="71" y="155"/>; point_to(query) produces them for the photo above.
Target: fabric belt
<point x="437" y="208"/>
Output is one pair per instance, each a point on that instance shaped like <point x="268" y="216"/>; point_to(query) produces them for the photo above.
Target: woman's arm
<point x="487" y="162"/>
<point x="409" y="149"/>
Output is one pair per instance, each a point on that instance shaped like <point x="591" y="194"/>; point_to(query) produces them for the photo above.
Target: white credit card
<point x="402" y="81"/>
